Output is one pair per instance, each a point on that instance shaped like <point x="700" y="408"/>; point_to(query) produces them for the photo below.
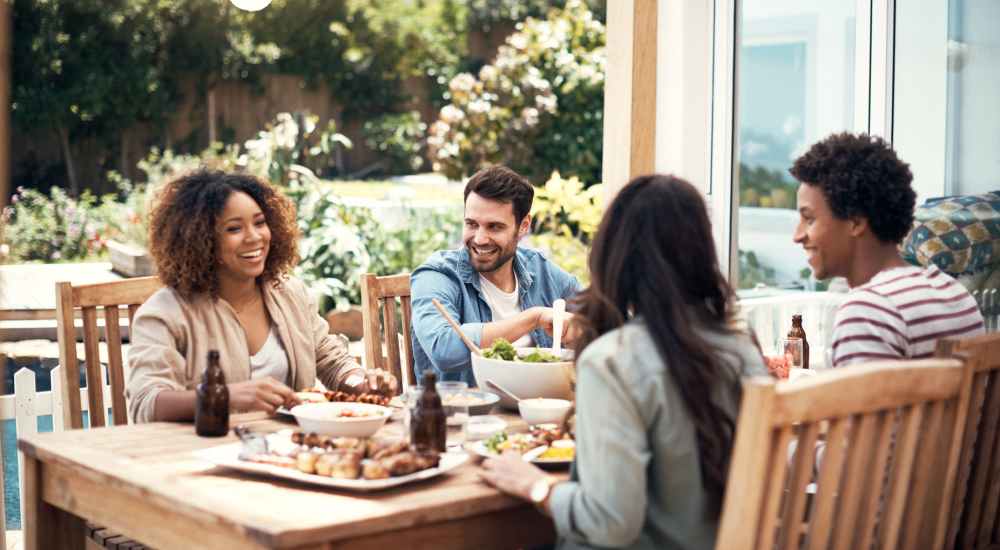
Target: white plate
<point x="479" y="448"/>
<point x="229" y="456"/>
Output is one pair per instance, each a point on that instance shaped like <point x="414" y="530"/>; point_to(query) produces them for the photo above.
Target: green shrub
<point x="400" y="139"/>
<point x="57" y="227"/>
<point x="537" y="108"/>
<point x="340" y="242"/>
<point x="565" y="217"/>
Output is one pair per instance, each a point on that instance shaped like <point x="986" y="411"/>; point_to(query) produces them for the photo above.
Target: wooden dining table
<point x="143" y="481"/>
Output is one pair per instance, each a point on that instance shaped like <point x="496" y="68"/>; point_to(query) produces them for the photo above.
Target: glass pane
<point x="796" y="66"/>
<point x="973" y="120"/>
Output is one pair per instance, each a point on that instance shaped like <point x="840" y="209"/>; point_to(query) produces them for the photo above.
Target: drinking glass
<point x="456" y="410"/>
<point x="409" y="398"/>
<point x="791" y="348"/>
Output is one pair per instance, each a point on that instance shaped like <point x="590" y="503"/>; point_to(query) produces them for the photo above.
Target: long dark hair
<point x="653" y="257"/>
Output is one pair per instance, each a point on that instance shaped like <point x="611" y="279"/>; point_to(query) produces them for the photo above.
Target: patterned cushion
<point x="960" y="235"/>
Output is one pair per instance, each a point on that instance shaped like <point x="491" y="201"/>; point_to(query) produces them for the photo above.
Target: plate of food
<point x="317" y="395"/>
<point x="359" y="464"/>
<point x="543" y="445"/>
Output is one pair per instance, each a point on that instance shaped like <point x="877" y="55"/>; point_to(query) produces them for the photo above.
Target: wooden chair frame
<point x="975" y="512"/>
<point x="378" y="294"/>
<point x="109" y="297"/>
<point x="870" y="488"/>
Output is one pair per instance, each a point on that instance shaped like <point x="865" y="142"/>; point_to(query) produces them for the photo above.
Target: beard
<point x="493" y="261"/>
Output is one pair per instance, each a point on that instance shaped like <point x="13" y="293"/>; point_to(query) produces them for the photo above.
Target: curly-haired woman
<point x="855" y="206"/>
<point x="224" y="245"/>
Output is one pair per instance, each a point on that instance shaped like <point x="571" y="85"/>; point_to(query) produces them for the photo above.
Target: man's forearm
<point x="510" y="329"/>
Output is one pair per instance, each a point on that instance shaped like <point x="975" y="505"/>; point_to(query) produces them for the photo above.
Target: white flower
<point x="451" y="114"/>
<point x="479" y="106"/>
<point x="488" y="72"/>
<point x="518" y="41"/>
<point x="530" y="116"/>
<point x="463" y="82"/>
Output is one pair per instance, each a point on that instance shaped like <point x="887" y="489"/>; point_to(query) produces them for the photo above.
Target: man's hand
<point x="261" y="394"/>
<point x="546" y="317"/>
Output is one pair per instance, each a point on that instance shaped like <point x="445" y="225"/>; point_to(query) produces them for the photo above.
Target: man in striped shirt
<point x="855" y="206"/>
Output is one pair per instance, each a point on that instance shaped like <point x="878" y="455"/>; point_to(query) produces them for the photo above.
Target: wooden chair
<point x="88" y="298"/>
<point x="378" y="295"/>
<point x="130" y="293"/>
<point x="870" y="487"/>
<point x="975" y="512"/>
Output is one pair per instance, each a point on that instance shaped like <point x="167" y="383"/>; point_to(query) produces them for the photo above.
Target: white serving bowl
<point x="322" y="418"/>
<point x="540" y="410"/>
<point x="526" y="380"/>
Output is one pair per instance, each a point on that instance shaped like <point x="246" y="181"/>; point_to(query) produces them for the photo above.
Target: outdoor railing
<point x="989" y="305"/>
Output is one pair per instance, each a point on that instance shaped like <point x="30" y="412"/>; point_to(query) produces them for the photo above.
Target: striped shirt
<point x="900" y="314"/>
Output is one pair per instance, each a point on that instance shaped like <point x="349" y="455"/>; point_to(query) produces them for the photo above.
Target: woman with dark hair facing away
<point x="224" y="245"/>
<point x="659" y="369"/>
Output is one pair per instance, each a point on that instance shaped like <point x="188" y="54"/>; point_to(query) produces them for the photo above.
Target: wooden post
<point x="629" y="92"/>
<point x="6" y="47"/>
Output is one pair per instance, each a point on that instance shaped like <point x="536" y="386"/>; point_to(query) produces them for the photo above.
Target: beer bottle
<point x="428" y="431"/>
<point x="211" y="410"/>
<point x="798" y="332"/>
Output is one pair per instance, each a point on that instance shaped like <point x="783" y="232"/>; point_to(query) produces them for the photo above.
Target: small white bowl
<point x="543" y="410"/>
<point x="483" y="427"/>
<point x="324" y="419"/>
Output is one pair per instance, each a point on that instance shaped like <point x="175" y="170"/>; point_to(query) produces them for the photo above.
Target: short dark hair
<point x="860" y="175"/>
<point x="500" y="183"/>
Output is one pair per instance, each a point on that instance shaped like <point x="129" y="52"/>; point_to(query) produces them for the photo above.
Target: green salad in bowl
<point x="502" y="349"/>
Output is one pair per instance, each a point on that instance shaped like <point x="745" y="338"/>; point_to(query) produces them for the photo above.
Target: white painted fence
<point x="27" y="404"/>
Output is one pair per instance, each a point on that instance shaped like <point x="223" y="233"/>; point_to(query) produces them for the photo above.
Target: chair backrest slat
<point x="828" y="483"/>
<point x="974" y="511"/>
<point x="116" y="374"/>
<point x="92" y="356"/>
<point x="391" y="340"/>
<point x="799" y="478"/>
<point x="774" y="495"/>
<point x="899" y="475"/>
<point x="854" y="433"/>
<point x="66" y="334"/>
<point x="407" y="310"/>
<point x="381" y="323"/>
<point x="88" y="298"/>
<point x="861" y="442"/>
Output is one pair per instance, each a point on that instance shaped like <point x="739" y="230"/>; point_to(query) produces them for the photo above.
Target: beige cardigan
<point x="171" y="337"/>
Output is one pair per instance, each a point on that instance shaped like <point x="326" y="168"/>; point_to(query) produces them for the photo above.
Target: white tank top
<point x="271" y="359"/>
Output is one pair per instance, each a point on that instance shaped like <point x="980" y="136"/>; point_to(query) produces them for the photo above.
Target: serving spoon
<point x="506" y="393"/>
<point x="559" y="310"/>
<point x="444" y="313"/>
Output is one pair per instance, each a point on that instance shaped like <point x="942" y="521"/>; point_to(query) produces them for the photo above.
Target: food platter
<point x="228" y="456"/>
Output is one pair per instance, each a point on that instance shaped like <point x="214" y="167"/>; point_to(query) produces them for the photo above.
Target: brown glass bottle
<point x="428" y="431"/>
<point x="799" y="332"/>
<point x="211" y="409"/>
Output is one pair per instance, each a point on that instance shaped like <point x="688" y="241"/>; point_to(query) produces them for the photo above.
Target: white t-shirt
<point x="504" y="305"/>
<point x="271" y="359"/>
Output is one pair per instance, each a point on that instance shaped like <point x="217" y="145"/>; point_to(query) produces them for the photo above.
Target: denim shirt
<point x="448" y="276"/>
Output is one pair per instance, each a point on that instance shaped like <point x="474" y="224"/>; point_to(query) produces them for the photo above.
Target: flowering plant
<point x="565" y="217"/>
<point x="55" y="227"/>
<point x="537" y="108"/>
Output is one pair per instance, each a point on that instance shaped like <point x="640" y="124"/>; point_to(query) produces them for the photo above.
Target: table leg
<point x="46" y="526"/>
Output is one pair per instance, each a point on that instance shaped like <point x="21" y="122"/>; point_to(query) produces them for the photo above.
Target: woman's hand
<point x="377" y="381"/>
<point x="261" y="394"/>
<point x="511" y="474"/>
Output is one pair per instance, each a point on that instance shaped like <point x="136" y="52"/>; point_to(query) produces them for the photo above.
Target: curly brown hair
<point x="860" y="175"/>
<point x="182" y="232"/>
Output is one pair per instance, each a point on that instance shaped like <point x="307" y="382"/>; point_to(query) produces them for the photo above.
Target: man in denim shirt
<point x="491" y="287"/>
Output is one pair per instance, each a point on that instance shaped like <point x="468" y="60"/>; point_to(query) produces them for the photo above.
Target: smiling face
<point x="243" y="238"/>
<point x="491" y="233"/>
<point x="829" y="241"/>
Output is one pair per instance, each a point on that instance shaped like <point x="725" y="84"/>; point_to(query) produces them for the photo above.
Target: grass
<point x="388" y="190"/>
